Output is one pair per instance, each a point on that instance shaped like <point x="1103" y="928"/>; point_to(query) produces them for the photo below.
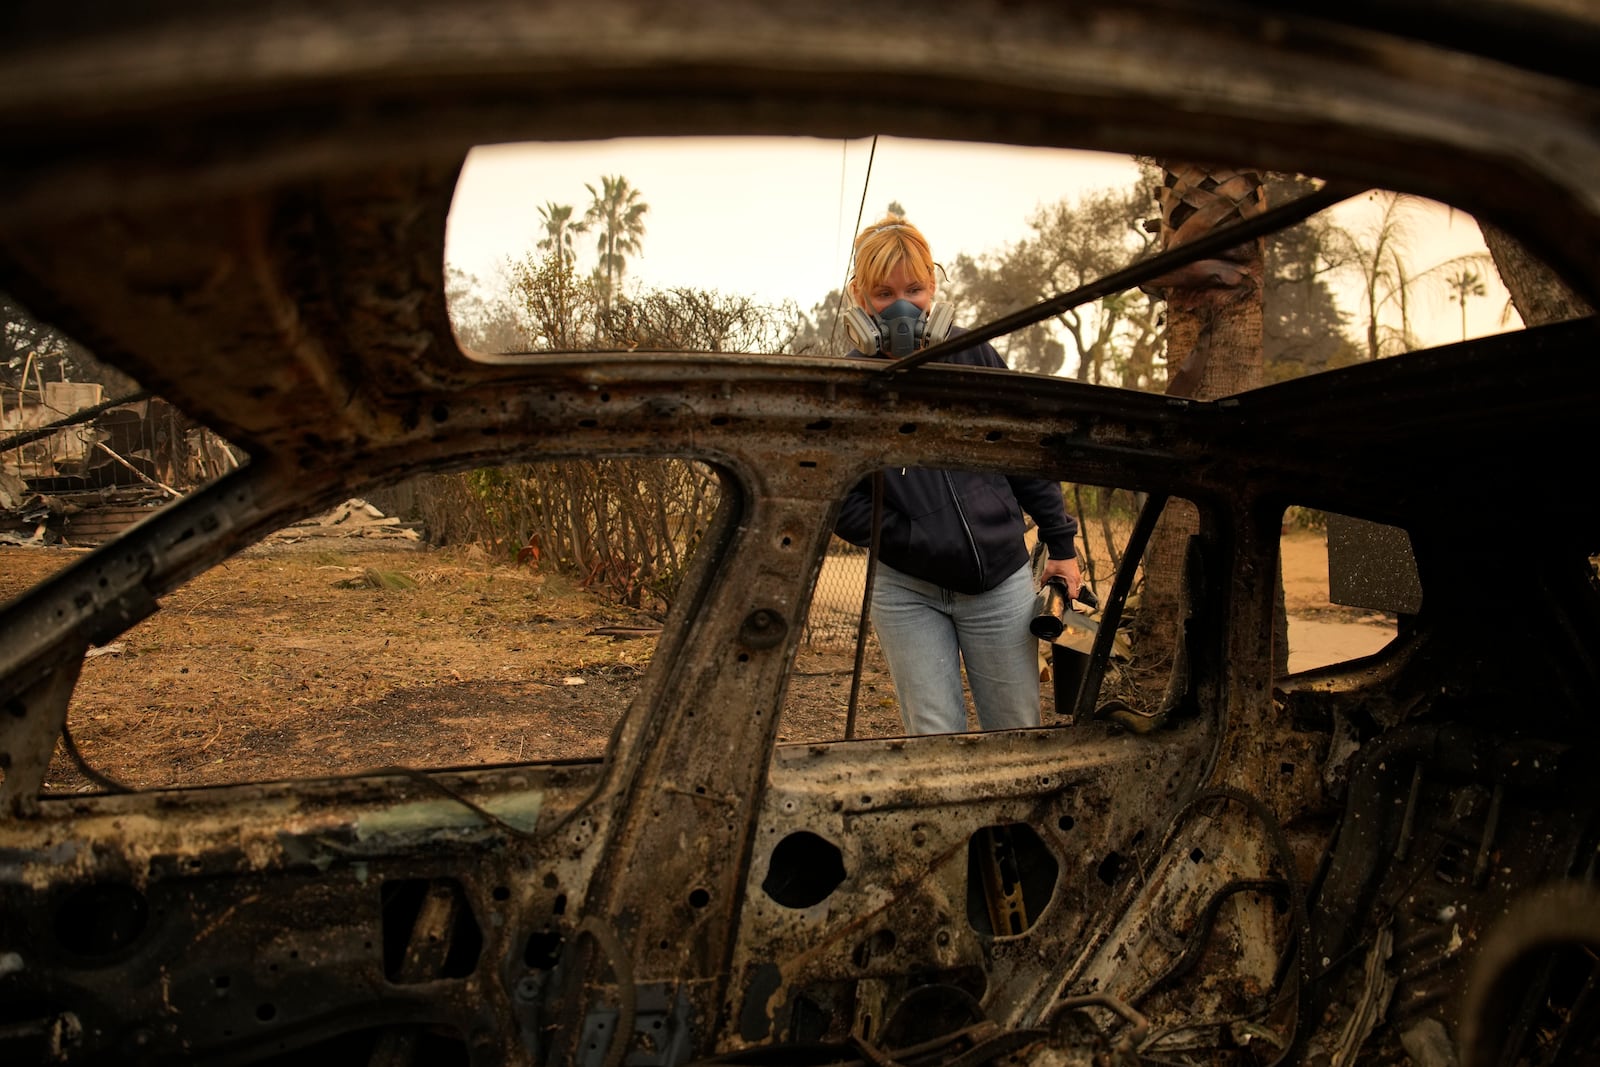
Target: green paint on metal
<point x="520" y="810"/>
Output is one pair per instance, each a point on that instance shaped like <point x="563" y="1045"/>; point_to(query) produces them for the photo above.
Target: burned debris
<point x="77" y="467"/>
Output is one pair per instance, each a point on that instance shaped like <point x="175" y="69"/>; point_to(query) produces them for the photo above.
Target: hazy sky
<point x="773" y="217"/>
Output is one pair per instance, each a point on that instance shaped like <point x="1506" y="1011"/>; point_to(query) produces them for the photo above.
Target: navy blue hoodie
<point x="958" y="529"/>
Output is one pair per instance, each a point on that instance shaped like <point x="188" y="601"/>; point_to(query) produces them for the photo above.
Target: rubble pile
<point x="354" y="518"/>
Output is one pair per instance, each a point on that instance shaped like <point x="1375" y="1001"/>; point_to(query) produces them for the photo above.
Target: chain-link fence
<point x="835" y="614"/>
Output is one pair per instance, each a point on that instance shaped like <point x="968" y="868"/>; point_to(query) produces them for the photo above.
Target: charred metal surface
<point x="241" y="100"/>
<point x="244" y="208"/>
<point x="903" y="815"/>
<point x="34" y="717"/>
<point x="266" y="910"/>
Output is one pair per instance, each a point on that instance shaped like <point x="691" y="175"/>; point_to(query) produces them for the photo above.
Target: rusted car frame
<point x="245" y="209"/>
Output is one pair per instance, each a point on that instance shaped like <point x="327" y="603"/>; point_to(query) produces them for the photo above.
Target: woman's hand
<point x="1066" y="569"/>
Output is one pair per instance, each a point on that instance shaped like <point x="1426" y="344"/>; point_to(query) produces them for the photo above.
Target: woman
<point x="953" y="583"/>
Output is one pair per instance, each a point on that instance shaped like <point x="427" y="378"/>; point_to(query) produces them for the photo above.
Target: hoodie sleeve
<point x="855" y="516"/>
<point x="1042" y="500"/>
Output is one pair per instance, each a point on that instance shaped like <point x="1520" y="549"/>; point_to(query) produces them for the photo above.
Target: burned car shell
<point x="244" y="208"/>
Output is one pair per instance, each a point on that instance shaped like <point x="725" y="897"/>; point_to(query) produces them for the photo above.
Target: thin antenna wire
<point x="833" y="335"/>
<point x="838" y="216"/>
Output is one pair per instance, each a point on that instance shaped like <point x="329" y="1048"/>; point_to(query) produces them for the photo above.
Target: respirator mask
<point x="899" y="329"/>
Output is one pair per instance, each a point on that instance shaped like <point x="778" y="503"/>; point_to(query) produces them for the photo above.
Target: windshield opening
<point x="746" y="245"/>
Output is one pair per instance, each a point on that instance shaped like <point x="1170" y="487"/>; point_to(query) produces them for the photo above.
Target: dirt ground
<point x="299" y="660"/>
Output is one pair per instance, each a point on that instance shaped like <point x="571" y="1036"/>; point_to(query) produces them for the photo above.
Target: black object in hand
<point x="1052" y="603"/>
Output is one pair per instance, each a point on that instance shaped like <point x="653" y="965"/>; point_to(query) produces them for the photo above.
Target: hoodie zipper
<point x="972" y="542"/>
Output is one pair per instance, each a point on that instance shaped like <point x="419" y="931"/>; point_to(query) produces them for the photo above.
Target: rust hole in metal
<point x="101" y="920"/>
<point x="879" y="945"/>
<point x="804" y="870"/>
<point x="429" y="930"/>
<point x="543" y="949"/>
<point x="1011" y="876"/>
<point x="1111" y="868"/>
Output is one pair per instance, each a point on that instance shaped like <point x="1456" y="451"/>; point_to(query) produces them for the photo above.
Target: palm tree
<point x="618" y="213"/>
<point x="1214" y="346"/>
<point x="559" y="228"/>
<point x="1379" y="251"/>
<point x="1465" y="283"/>
<point x="1379" y="254"/>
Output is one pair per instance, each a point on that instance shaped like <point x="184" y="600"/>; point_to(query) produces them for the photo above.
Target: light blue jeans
<point x="926" y="631"/>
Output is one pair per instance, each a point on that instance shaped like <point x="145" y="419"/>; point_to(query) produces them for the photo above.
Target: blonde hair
<point x="885" y="245"/>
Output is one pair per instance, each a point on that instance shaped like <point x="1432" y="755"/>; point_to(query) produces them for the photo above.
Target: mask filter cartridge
<point x="899" y="329"/>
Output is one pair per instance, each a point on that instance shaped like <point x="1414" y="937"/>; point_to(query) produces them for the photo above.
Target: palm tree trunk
<point x="1213" y="350"/>
<point x="1538" y="294"/>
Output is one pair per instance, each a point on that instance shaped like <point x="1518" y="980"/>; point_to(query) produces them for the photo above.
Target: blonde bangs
<point x="887" y="245"/>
